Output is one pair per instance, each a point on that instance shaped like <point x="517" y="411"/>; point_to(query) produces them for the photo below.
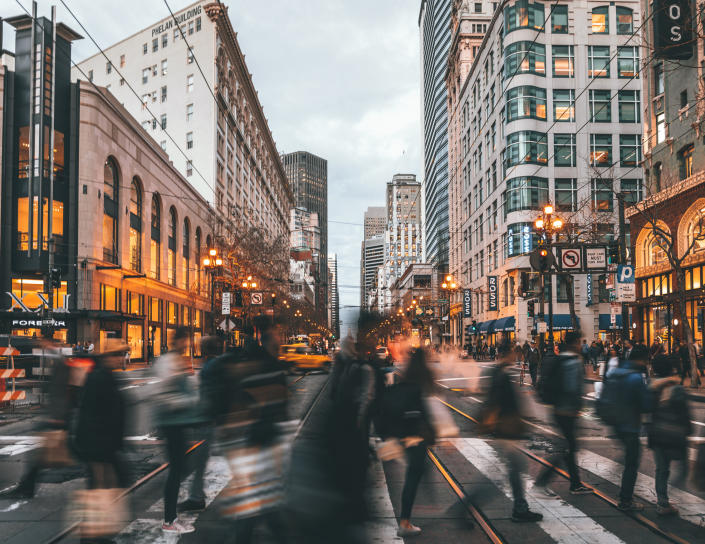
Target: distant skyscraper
<point x="403" y="234"/>
<point x="375" y="221"/>
<point x="333" y="295"/>
<point x="372" y="257"/>
<point x="434" y="27"/>
<point x="308" y="176"/>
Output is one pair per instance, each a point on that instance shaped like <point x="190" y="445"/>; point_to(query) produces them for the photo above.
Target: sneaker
<point x="526" y="517"/>
<point x="177" y="528"/>
<point x="411" y="530"/>
<point x="191" y="505"/>
<point x="630" y="506"/>
<point x="545" y="491"/>
<point x="580" y="490"/>
<point x="667" y="510"/>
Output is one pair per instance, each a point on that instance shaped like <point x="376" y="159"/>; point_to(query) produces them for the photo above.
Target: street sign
<point x="227" y="325"/>
<point x="541" y="327"/>
<point x="492" y="288"/>
<point x="626" y="286"/>
<point x="595" y="258"/>
<point x="467" y="303"/>
<point x="615" y="308"/>
<point x="571" y="258"/>
<point x="225" y="304"/>
<point x="256" y="298"/>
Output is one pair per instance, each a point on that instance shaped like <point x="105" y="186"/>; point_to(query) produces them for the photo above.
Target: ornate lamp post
<point x="450" y="286"/>
<point x="213" y="265"/>
<point x="546" y="226"/>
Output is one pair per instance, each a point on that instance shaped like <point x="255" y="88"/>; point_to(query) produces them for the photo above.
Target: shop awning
<point x="486" y="327"/>
<point x="504" y="324"/>
<point x="561" y="322"/>
<point x="606" y="325"/>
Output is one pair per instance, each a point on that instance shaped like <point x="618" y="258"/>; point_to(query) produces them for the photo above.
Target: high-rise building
<point x="226" y="152"/>
<point x="403" y="237"/>
<point x="333" y="295"/>
<point x="308" y="177"/>
<point x="375" y="221"/>
<point x="434" y="27"/>
<point x="544" y="115"/>
<point x="371" y="258"/>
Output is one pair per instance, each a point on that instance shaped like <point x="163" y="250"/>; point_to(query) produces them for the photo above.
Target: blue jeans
<point x="663" y="460"/>
<point x="632" y="448"/>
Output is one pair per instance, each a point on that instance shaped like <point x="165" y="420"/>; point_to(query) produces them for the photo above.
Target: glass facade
<point x="526" y="193"/>
<point x="527" y="147"/>
<point x="525" y="58"/>
<point x="526" y="102"/>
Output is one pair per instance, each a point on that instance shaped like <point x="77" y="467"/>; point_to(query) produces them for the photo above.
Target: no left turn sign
<point x="571" y="259"/>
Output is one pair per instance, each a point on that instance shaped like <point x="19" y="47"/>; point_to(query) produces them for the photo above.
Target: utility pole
<point x="623" y="260"/>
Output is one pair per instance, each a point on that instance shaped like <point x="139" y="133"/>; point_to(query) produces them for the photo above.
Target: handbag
<point x="390" y="449"/>
<point x="101" y="512"/>
<point x="55" y="449"/>
<point x="442" y="421"/>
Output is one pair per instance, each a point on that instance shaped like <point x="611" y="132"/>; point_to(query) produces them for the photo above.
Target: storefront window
<point x="111" y="184"/>
<point x="28" y="291"/>
<point x="135" y="339"/>
<point x="109" y="298"/>
<point x="694" y="278"/>
<point x="171" y="313"/>
<point x="155" y="241"/>
<point x="155" y="309"/>
<point x="135" y="303"/>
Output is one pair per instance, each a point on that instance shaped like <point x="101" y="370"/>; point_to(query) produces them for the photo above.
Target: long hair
<point x="418" y="371"/>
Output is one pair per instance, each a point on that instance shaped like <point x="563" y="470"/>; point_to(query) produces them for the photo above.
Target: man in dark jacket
<point x="532" y="358"/>
<point x="566" y="412"/>
<point x="634" y="400"/>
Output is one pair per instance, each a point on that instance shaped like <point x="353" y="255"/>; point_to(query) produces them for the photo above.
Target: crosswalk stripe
<point x="216" y="477"/>
<point x="690" y="507"/>
<point x="382" y="529"/>
<point x="561" y="521"/>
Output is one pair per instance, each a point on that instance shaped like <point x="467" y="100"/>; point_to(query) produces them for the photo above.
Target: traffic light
<point x="274" y="299"/>
<point x="473" y="327"/>
<point x="613" y="252"/>
<point x="238" y="298"/>
<point x="544" y="262"/>
<point x="55" y="276"/>
<point x="524" y="284"/>
<point x="530" y="308"/>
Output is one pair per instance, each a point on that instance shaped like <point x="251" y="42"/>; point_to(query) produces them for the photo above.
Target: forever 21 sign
<point x="673" y="29"/>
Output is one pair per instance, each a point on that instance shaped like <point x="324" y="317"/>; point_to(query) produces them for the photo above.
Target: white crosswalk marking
<point x="561" y="521"/>
<point x="690" y="507"/>
<point x="216" y="477"/>
<point x="382" y="529"/>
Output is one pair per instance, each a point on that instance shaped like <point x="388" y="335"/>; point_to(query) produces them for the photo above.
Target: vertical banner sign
<point x="467" y="303"/>
<point x="673" y="29"/>
<point x="589" y="290"/>
<point x="492" y="289"/>
<point x="225" y="304"/>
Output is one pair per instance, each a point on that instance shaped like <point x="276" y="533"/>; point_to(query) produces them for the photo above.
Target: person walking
<point x="502" y="417"/>
<point x="595" y="352"/>
<point x="566" y="412"/>
<point x="533" y="361"/>
<point x="633" y="401"/>
<point x="177" y="402"/>
<point x="683" y="355"/>
<point x="669" y="429"/>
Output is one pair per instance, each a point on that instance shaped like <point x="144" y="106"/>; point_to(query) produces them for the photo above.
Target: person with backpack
<point x="502" y="417"/>
<point x="669" y="429"/>
<point x="623" y="400"/>
<point x="561" y="385"/>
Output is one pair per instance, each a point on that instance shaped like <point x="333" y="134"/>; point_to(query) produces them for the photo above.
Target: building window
<point x="165" y="40"/>
<point x="109" y="298"/>
<point x="598" y="61"/>
<point x="628" y="62"/>
<point x="566" y="194"/>
<point x="198" y="24"/>
<point x="155" y="45"/>
<point x="522" y="14"/>
<point x="563" y="61"/>
<point x="625" y="20"/>
<point x="600" y="107"/>
<point x="190" y="27"/>
<point x="189" y="83"/>
<point x="164" y="67"/>
<point x="629" y="150"/>
<point x="629" y="106"/>
<point x="684" y="98"/>
<point x="527" y="147"/>
<point x="111" y="188"/>
<point x="162" y="121"/>
<point x="90" y="75"/>
<point x="601" y="194"/>
<point x="660" y="127"/>
<point x="525" y="58"/>
<point x="108" y="67"/>
<point x="189" y="168"/>
<point x="526" y="193"/>
<point x="189" y="56"/>
<point x="136" y="225"/>
<point x="163" y="94"/>
<point x="171" y="247"/>
<point x="564" y="105"/>
<point x="176" y="34"/>
<point x="189" y="112"/>
<point x="144" y="48"/>
<point x="600" y="20"/>
<point x="186" y="253"/>
<point x="525" y="102"/>
<point x="145" y="75"/>
<point x="189" y="140"/>
<point x="633" y="191"/>
<point x="559" y="19"/>
<point x="564" y="150"/>
<point x="685" y="162"/>
<point x="658" y="79"/>
<point x="155" y="239"/>
<point x="162" y="144"/>
<point x="600" y="150"/>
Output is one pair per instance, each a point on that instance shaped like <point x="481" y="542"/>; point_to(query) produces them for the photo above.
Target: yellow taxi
<point x="300" y="357"/>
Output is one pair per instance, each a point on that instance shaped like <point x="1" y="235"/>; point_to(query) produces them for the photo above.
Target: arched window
<point x="197" y="255"/>
<point x="625" y="20"/>
<point x="136" y="225"/>
<point x="654" y="250"/>
<point x="691" y="231"/>
<point x="186" y="235"/>
<point x="171" y="249"/>
<point x="155" y="248"/>
<point x="111" y="185"/>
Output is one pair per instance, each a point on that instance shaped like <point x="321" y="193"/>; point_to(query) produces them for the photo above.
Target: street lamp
<point x="451" y="286"/>
<point x="212" y="264"/>
<point x="546" y="226"/>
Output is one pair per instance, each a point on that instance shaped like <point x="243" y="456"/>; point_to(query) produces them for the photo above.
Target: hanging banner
<point x="673" y="29"/>
<point x="467" y="303"/>
<point x="492" y="289"/>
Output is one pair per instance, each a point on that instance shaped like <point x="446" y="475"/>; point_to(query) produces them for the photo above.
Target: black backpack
<point x="551" y="379"/>
<point x="670" y="423"/>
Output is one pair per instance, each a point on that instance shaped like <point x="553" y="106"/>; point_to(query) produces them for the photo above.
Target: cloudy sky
<point x="338" y="78"/>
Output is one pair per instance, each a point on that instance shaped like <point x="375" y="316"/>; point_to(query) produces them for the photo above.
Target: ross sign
<point x="626" y="286"/>
<point x="492" y="297"/>
<point x="256" y="298"/>
<point x="225" y="304"/>
<point x="673" y="29"/>
<point x="595" y="258"/>
<point x="467" y="303"/>
<point x="571" y="258"/>
<point x="588" y="290"/>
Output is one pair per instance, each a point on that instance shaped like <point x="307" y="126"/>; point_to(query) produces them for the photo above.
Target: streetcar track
<point x="636" y="516"/>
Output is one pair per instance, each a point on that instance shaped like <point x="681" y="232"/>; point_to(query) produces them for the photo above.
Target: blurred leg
<point x="416" y="457"/>
<point x="176" y="450"/>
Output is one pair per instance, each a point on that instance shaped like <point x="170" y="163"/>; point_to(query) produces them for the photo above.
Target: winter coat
<point x="501" y="412"/>
<point x="634" y="398"/>
<point x="670" y="422"/>
<point x="570" y="398"/>
<point x="176" y="398"/>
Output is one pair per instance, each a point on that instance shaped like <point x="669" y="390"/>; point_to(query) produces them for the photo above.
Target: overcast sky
<point x="338" y="78"/>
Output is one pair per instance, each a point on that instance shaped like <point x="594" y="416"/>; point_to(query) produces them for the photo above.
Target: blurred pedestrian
<point x="683" y="354"/>
<point x="532" y="358"/>
<point x="210" y="396"/>
<point x="669" y="429"/>
<point x="176" y="400"/>
<point x="595" y="352"/>
<point x="568" y="400"/>
<point x="627" y="350"/>
<point x="502" y="417"/>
